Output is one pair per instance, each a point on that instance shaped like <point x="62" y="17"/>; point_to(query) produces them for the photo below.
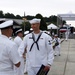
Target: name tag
<point x="30" y="37"/>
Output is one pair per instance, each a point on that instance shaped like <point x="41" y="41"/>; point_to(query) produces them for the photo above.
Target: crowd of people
<point x="26" y="54"/>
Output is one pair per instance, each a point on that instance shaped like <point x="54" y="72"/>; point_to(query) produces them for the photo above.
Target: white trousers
<point x="25" y="68"/>
<point x="57" y="50"/>
<point x="20" y="70"/>
<point x="32" y="70"/>
<point x="66" y="37"/>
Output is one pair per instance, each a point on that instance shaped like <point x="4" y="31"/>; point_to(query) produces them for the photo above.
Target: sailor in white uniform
<point x="67" y="34"/>
<point x="26" y="32"/>
<point x="25" y="68"/>
<point x="8" y="50"/>
<point x="11" y="38"/>
<point x="18" y="40"/>
<point x="57" y="47"/>
<point x="39" y="48"/>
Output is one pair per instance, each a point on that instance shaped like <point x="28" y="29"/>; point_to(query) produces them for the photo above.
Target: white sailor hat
<point x="44" y="31"/>
<point x="3" y="19"/>
<point x="6" y="24"/>
<point x="31" y="29"/>
<point x="26" y="32"/>
<point x="18" y="31"/>
<point x="35" y="20"/>
<point x="56" y="35"/>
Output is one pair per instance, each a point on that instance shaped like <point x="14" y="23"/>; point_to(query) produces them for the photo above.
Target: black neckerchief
<point x="33" y="37"/>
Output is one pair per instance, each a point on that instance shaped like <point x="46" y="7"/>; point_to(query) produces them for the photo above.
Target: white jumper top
<point x="36" y="57"/>
<point x="8" y="55"/>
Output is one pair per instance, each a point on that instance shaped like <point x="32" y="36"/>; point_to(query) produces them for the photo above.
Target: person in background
<point x="18" y="40"/>
<point x="57" y="45"/>
<point x="0" y="31"/>
<point x="8" y="50"/>
<point x="67" y="34"/>
<point x="11" y="38"/>
<point x="25" y="69"/>
<point x="26" y="32"/>
<point x="39" y="49"/>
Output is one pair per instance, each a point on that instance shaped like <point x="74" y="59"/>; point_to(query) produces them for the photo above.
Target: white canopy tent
<point x="52" y="26"/>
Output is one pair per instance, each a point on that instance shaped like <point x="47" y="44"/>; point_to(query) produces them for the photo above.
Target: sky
<point x="32" y="7"/>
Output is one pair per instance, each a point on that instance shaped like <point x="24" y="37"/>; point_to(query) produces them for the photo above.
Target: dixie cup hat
<point x="6" y="24"/>
<point x="35" y="20"/>
<point x="20" y="30"/>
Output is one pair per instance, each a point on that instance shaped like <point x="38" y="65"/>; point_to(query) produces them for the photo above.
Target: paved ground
<point x="65" y="64"/>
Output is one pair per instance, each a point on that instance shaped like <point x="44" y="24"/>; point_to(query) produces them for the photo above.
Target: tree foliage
<point x="18" y="17"/>
<point x="1" y="14"/>
<point x="64" y="22"/>
<point x="53" y="19"/>
<point x="29" y="17"/>
<point x="8" y="15"/>
<point x="44" y="20"/>
<point x="43" y="25"/>
<point x="27" y="26"/>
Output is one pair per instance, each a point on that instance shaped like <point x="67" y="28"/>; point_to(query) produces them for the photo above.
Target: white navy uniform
<point x="8" y="55"/>
<point x="11" y="38"/>
<point x="17" y="40"/>
<point x="0" y="31"/>
<point x="25" y="68"/>
<point x="20" y="70"/>
<point x="57" y="48"/>
<point x="35" y="58"/>
<point x="66" y="35"/>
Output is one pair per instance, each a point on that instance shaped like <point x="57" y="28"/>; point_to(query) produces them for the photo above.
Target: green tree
<point x="18" y="17"/>
<point x="64" y="22"/>
<point x="53" y="19"/>
<point x="27" y="26"/>
<point x="8" y="15"/>
<point x="1" y="14"/>
<point x="29" y="17"/>
<point x="43" y="25"/>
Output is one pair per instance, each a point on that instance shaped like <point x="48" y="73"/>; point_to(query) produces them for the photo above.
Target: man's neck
<point x="36" y="32"/>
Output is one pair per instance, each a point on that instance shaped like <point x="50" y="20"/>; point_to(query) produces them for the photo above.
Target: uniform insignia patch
<point x="49" y="42"/>
<point x="30" y="37"/>
<point x="41" y="38"/>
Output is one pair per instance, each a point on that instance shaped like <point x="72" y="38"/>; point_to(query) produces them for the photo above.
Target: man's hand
<point x="47" y="68"/>
<point x="24" y="56"/>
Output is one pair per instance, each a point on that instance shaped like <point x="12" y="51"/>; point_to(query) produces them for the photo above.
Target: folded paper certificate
<point x="42" y="71"/>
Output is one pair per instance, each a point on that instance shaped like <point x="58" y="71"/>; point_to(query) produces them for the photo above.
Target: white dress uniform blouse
<point x="18" y="40"/>
<point x="58" y="39"/>
<point x="35" y="57"/>
<point x="66" y="35"/>
<point x="57" y="48"/>
<point x="20" y="70"/>
<point x="8" y="55"/>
